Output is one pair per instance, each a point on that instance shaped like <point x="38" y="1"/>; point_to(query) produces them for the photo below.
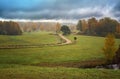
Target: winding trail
<point x="67" y="41"/>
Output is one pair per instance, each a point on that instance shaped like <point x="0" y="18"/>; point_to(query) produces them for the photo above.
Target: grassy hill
<point x="36" y="63"/>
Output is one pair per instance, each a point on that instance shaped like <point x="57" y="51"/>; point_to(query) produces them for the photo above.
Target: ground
<point x="31" y="72"/>
<point x="53" y="62"/>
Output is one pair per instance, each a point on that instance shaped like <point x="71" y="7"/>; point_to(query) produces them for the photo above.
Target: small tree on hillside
<point x="109" y="48"/>
<point x="65" y="29"/>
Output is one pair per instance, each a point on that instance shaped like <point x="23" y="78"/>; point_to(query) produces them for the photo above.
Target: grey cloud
<point x="65" y="9"/>
<point x="57" y="14"/>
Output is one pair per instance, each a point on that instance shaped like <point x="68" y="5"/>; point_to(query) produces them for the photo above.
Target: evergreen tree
<point x="65" y="29"/>
<point x="79" y="26"/>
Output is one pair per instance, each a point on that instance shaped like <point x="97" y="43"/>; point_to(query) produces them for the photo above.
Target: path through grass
<point x="18" y="63"/>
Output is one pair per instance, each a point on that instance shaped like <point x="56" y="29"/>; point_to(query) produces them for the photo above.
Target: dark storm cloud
<point x="58" y="9"/>
<point x="117" y="6"/>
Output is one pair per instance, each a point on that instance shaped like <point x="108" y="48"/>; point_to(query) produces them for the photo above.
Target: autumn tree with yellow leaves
<point x="109" y="48"/>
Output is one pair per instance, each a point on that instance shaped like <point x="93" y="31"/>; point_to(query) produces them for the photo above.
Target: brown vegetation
<point x="82" y="64"/>
<point x="100" y="27"/>
<point x="10" y="28"/>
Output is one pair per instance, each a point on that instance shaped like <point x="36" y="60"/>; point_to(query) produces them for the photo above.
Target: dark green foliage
<point x="117" y="56"/>
<point x="65" y="29"/>
<point x="10" y="28"/>
<point x="106" y="26"/>
<point x="92" y="25"/>
<point x="79" y="25"/>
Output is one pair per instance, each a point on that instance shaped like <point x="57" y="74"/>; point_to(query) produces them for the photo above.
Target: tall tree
<point x="58" y="27"/>
<point x="118" y="29"/>
<point x="107" y="25"/>
<point x="42" y="27"/>
<point x="34" y="27"/>
<point x="84" y="26"/>
<point x="109" y="48"/>
<point x="92" y="25"/>
<point x="10" y="28"/>
<point x="79" y="25"/>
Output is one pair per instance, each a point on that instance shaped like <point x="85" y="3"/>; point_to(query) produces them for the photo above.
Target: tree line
<point x="9" y="28"/>
<point x="100" y="27"/>
<point x="38" y="26"/>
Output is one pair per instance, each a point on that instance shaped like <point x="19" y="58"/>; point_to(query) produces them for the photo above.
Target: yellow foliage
<point x="109" y="47"/>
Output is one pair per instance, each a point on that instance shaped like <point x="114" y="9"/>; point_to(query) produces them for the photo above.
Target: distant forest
<point x="91" y="26"/>
<point x="43" y="26"/>
<point x="99" y="27"/>
<point x="10" y="28"/>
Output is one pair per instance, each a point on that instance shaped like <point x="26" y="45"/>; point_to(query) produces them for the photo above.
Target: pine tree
<point x="79" y="26"/>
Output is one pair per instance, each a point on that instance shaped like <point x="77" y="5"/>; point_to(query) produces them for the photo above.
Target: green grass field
<point x="31" y="72"/>
<point x="29" y="38"/>
<point x="24" y="63"/>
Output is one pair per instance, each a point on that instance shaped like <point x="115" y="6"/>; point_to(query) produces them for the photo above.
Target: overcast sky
<point x="59" y="9"/>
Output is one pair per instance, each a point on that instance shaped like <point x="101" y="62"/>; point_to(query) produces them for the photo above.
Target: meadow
<point x="56" y="62"/>
<point x="33" y="72"/>
<point x="28" y="38"/>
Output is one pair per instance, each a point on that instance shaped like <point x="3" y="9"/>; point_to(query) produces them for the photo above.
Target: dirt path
<point x="67" y="41"/>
